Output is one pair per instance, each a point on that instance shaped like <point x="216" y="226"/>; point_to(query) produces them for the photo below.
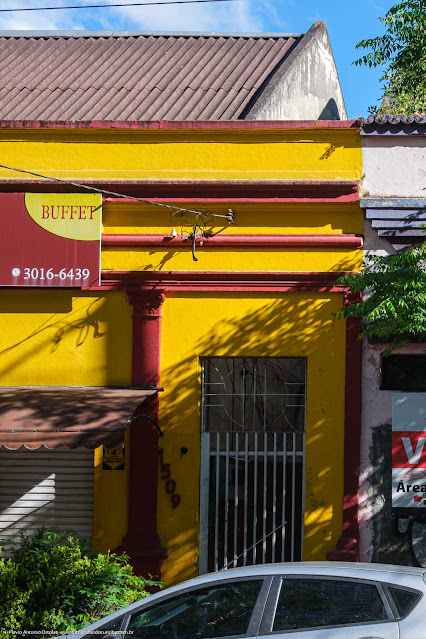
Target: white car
<point x="308" y="600"/>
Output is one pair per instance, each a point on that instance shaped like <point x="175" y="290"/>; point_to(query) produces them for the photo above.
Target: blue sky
<point x="347" y="22"/>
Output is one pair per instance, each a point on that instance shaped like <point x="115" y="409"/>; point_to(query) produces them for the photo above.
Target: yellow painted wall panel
<point x="312" y="154"/>
<point x="232" y="260"/>
<point x="249" y="218"/>
<point x="64" y="338"/>
<point x="111" y="503"/>
<point x="288" y="325"/>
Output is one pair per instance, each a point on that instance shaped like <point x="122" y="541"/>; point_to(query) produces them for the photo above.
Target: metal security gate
<point x="252" y="461"/>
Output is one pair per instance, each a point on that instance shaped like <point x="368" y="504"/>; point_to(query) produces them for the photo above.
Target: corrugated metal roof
<point x="136" y="77"/>
<point x="75" y="33"/>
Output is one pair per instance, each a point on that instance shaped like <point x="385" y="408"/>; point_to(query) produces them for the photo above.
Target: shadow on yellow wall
<point x="209" y="259"/>
<point x="264" y="218"/>
<point x="66" y="338"/>
<point x="234" y="325"/>
<point x="56" y="338"/>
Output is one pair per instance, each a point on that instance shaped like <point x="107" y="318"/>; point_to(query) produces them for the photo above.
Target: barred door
<point x="252" y="461"/>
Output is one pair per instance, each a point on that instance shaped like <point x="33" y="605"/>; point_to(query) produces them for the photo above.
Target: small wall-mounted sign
<point x="50" y="239"/>
<point x="409" y="450"/>
<point x="114" y="458"/>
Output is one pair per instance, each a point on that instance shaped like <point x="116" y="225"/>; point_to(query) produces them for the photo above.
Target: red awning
<point x="34" y="416"/>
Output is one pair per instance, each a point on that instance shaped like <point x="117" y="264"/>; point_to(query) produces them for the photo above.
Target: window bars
<point x="252" y="461"/>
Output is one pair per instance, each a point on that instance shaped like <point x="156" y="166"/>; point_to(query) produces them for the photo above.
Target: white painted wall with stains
<point x="306" y="87"/>
<point x="394" y="167"/>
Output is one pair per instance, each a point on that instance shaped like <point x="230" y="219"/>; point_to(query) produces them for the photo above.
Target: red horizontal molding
<point x="207" y="191"/>
<point x="173" y="125"/>
<point x="242" y="241"/>
<point x="222" y="281"/>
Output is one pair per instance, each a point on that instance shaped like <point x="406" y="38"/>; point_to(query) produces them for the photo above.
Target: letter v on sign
<point x="413" y="456"/>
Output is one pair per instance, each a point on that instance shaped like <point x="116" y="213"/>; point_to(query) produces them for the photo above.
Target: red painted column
<point x="348" y="545"/>
<point x="142" y="542"/>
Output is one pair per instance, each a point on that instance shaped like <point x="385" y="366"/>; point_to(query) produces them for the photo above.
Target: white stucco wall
<point x="307" y="85"/>
<point x="394" y="166"/>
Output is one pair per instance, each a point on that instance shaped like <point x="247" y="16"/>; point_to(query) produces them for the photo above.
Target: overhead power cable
<point x="109" y="6"/>
<point x="79" y="185"/>
<point x="173" y="209"/>
<point x="202" y="218"/>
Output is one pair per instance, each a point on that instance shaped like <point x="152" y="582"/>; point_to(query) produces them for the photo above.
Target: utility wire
<point x="173" y="209"/>
<point x="176" y="209"/>
<point x="201" y="217"/>
<point x="108" y="6"/>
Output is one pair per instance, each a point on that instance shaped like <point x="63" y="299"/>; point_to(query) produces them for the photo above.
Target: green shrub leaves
<point x="50" y="583"/>
<point x="393" y="307"/>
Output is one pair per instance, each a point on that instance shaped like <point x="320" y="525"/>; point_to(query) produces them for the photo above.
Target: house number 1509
<point x="170" y="484"/>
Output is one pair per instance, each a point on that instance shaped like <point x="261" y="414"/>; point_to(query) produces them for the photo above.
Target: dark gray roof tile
<point x="388" y="118"/>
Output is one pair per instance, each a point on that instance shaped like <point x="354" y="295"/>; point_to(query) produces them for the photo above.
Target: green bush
<point x="49" y="583"/>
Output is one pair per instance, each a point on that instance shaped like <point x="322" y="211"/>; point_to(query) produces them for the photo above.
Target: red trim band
<point x="207" y="191"/>
<point x="185" y="125"/>
<point x="243" y="241"/>
<point x="222" y="281"/>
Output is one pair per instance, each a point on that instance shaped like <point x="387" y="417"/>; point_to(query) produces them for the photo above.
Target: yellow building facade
<point x="236" y="279"/>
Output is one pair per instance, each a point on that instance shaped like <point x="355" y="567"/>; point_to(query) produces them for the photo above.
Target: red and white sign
<point x="50" y="239"/>
<point x="409" y="450"/>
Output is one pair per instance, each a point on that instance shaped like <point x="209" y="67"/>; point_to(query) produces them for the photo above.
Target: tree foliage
<point x="50" y="585"/>
<point x="393" y="307"/>
<point x="402" y="53"/>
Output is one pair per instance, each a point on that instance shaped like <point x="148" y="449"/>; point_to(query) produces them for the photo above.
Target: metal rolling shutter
<point x="52" y="488"/>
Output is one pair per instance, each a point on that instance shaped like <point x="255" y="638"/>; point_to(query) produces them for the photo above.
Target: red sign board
<point x="50" y="239"/>
<point x="409" y="449"/>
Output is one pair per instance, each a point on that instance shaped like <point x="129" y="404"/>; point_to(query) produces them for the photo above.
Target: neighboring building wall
<point x="306" y="86"/>
<point x="386" y="537"/>
<point x="394" y="166"/>
<point x="393" y="189"/>
<point x="90" y="332"/>
<point x="375" y="245"/>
